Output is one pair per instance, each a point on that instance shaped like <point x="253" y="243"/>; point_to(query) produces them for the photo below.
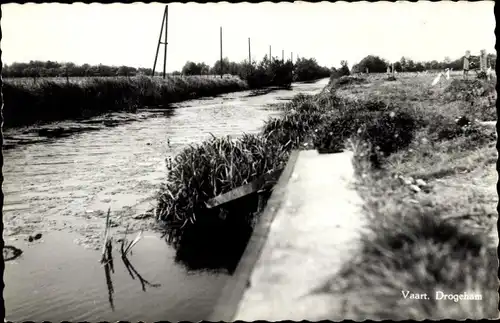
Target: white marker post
<point x="437" y="79"/>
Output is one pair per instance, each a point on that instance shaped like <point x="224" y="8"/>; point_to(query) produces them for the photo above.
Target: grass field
<point x="425" y="168"/>
<point x="27" y="101"/>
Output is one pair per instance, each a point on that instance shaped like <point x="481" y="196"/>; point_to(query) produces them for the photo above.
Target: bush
<point x="391" y="131"/>
<point x="469" y="90"/>
<point x="374" y="64"/>
<point x="308" y="70"/>
<point x="344" y="81"/>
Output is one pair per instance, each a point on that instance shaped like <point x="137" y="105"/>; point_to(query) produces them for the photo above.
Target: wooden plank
<point x="261" y="183"/>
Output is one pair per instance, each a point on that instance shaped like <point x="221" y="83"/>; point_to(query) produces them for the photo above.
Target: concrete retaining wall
<point x="307" y="231"/>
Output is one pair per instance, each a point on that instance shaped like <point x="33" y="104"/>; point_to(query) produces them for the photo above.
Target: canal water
<point x="62" y="189"/>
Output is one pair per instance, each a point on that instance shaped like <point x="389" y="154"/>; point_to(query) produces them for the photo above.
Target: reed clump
<point x="211" y="168"/>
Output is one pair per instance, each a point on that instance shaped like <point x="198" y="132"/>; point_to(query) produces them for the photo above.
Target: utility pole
<point x="166" y="32"/>
<point x="270" y="53"/>
<point x="221" y="52"/>
<point x="249" y="52"/>
<point x="291" y="57"/>
<point x="282" y="55"/>
<point x="163" y="22"/>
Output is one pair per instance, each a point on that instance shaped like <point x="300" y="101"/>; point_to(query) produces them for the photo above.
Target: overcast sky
<point x="127" y="34"/>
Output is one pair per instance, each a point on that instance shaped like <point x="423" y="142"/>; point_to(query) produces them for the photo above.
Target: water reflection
<point x="216" y="243"/>
<point x="132" y="271"/>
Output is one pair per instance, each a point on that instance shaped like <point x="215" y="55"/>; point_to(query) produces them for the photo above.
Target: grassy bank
<point x="27" y="102"/>
<point x="417" y="152"/>
<point x="431" y="207"/>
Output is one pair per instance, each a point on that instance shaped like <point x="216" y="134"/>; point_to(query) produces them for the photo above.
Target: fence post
<point x="482" y="61"/>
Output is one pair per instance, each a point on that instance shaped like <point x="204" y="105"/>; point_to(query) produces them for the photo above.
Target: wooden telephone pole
<point x="270" y="53"/>
<point x="220" y="52"/>
<point x="249" y="52"/>
<point x="164" y="22"/>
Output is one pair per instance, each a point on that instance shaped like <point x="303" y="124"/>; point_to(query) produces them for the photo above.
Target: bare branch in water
<point x="132" y="270"/>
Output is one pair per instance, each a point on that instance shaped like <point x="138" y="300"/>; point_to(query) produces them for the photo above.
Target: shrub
<point x="308" y="70"/>
<point x="374" y="64"/>
<point x="468" y="90"/>
<point x="345" y="80"/>
<point x="391" y="131"/>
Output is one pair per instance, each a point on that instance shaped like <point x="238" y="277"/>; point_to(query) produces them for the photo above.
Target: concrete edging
<point x="233" y="290"/>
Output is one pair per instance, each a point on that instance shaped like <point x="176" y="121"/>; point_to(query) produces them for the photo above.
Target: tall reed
<point x="27" y="102"/>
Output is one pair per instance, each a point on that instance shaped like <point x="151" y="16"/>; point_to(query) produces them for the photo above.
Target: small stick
<point x="106" y="231"/>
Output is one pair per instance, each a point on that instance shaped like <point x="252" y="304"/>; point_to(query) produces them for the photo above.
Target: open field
<point x="28" y="102"/>
<point x="417" y="150"/>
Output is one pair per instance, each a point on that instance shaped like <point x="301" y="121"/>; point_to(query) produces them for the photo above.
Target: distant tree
<point x="397" y="67"/>
<point x="419" y="67"/>
<point x="216" y="69"/>
<point x="204" y="68"/>
<point x="434" y="65"/>
<point x="447" y="60"/>
<point x="404" y="64"/>
<point x="191" y="68"/>
<point x="144" y="71"/>
<point x="374" y="64"/>
<point x="307" y="69"/>
<point x="344" y="68"/>
<point x="126" y="71"/>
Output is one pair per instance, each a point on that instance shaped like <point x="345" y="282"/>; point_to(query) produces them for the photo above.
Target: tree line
<point x="303" y="69"/>
<point x="56" y="69"/>
<point x="267" y="72"/>
<point x="376" y="64"/>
